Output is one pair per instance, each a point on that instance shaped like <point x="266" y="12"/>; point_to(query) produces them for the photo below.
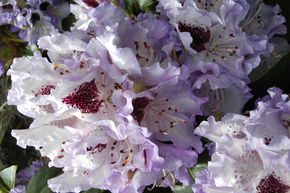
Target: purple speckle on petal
<point x="272" y="183"/>
<point x="86" y="98"/>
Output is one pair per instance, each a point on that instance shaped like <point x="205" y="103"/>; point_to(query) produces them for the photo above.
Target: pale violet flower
<point x="38" y="18"/>
<point x="269" y="122"/>
<point x="222" y="91"/>
<point x="70" y="142"/>
<point x="143" y="54"/>
<point x="206" y="37"/>
<point x="166" y="112"/>
<point x="33" y="80"/>
<point x="8" y="11"/>
<point x="252" y="153"/>
<point x="263" y="20"/>
<point x="18" y="189"/>
<point x="95" y="20"/>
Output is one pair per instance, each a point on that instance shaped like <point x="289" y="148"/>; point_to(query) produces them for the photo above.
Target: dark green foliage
<point x="138" y="6"/>
<point x="38" y="183"/>
<point x="7" y="179"/>
<point x="68" y="22"/>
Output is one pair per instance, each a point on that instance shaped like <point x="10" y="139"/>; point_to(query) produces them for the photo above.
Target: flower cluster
<point x="115" y="100"/>
<point x="33" y="19"/>
<point x="252" y="152"/>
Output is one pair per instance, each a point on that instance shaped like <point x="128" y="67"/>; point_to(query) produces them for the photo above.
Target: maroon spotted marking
<point x="139" y="105"/>
<point x="86" y="98"/>
<point x="272" y="184"/>
<point x="200" y="35"/>
<point x="44" y="90"/>
<point x="91" y="3"/>
<point x="100" y="147"/>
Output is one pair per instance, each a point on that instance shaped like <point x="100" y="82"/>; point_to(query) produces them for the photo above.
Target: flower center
<point x="86" y="98"/>
<point x="91" y="3"/>
<point x="7" y="7"/>
<point x="44" y="6"/>
<point x="200" y="35"/>
<point x="139" y="105"/>
<point x="35" y="17"/>
<point x="212" y="6"/>
<point x="272" y="184"/>
<point x="121" y="153"/>
<point x="144" y="53"/>
<point x="216" y="98"/>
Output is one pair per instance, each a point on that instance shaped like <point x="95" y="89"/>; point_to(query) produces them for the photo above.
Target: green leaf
<point x="183" y="189"/>
<point x="16" y="40"/>
<point x="138" y="6"/>
<point x="8" y="175"/>
<point x="268" y="62"/>
<point x="3" y="188"/>
<point x="28" y="50"/>
<point x="147" y="6"/>
<point x="131" y="6"/>
<point x="7" y="52"/>
<point x="219" y="115"/>
<point x="68" y="22"/>
<point x="194" y="170"/>
<point x="38" y="183"/>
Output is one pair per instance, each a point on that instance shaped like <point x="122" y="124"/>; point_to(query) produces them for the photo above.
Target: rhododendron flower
<point x="117" y="101"/>
<point x="252" y="153"/>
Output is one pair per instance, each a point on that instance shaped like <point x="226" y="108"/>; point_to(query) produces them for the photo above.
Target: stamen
<point x="216" y="99"/>
<point x="144" y="53"/>
<point x="184" y="122"/>
<point x="250" y="17"/>
<point x="125" y="152"/>
<point x="130" y="154"/>
<point x="153" y="186"/>
<point x="165" y="177"/>
<point x="172" y="177"/>
<point x="131" y="175"/>
<point x="116" y="162"/>
<point x="164" y="131"/>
